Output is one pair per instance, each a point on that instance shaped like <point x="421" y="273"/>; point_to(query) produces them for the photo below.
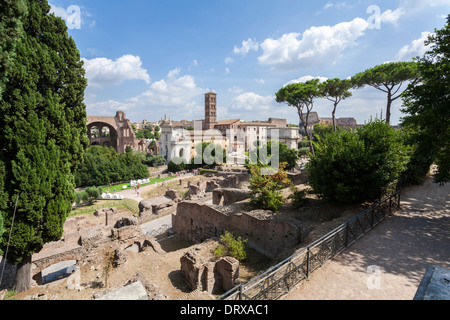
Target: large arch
<point x="102" y="134"/>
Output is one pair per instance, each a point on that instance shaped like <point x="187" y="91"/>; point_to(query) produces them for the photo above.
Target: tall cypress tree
<point x="12" y="11"/>
<point x="43" y="137"/>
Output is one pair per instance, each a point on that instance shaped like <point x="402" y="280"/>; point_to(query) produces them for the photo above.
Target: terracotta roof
<point x="258" y="124"/>
<point x="225" y="122"/>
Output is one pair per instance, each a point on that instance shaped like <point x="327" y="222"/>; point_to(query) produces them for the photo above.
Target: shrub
<point x="266" y="189"/>
<point x="303" y="152"/>
<point x="289" y="156"/>
<point x="93" y="193"/>
<point x="102" y="166"/>
<point x="81" y="197"/>
<point x="298" y="198"/>
<point x="175" y="165"/>
<point x="354" y="167"/>
<point x="231" y="246"/>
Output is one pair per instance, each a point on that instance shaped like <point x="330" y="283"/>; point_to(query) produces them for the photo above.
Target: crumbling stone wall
<point x="198" y="222"/>
<point x="149" y="211"/>
<point x="209" y="276"/>
<point x="227" y="196"/>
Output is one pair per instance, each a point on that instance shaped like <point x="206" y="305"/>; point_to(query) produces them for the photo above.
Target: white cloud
<point x="247" y="46"/>
<point x="236" y="89"/>
<point x="227" y="70"/>
<point x="251" y="101"/>
<point x="103" y="71"/>
<point x="414" y="49"/>
<point x="177" y="95"/>
<point x="392" y="17"/>
<point x="304" y="79"/>
<point x="337" y="5"/>
<point x="316" y="46"/>
<point x="229" y="60"/>
<point x="173" y="74"/>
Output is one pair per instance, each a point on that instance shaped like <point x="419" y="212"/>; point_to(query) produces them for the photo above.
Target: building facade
<point x="234" y="135"/>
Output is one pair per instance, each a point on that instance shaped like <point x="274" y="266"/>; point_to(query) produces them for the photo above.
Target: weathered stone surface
<point x="228" y="269"/>
<point x="126" y="221"/>
<point x="127" y="233"/>
<point x="227" y="196"/>
<point x="134" y="291"/>
<point x="153" y="291"/>
<point x="90" y="236"/>
<point x="172" y="194"/>
<point x="212" y="185"/>
<point x="435" y="285"/>
<point x="145" y="206"/>
<point x="190" y="269"/>
<point x="193" y="191"/>
<point x="209" y="276"/>
<point x="58" y="271"/>
<point x="266" y="234"/>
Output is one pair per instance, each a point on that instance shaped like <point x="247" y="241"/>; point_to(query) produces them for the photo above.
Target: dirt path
<point x="132" y="194"/>
<point x="390" y="261"/>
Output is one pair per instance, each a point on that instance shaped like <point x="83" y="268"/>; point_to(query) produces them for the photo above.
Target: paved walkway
<point x="390" y="261"/>
<point x="131" y="194"/>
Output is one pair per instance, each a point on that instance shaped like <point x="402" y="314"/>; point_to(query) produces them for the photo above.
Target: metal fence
<point x="280" y="279"/>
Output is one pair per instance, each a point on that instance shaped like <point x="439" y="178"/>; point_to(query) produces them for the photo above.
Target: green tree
<point x="354" y="167"/>
<point x="232" y="247"/>
<point x="12" y="13"/>
<point x="388" y="78"/>
<point x="427" y="105"/>
<point x="266" y="191"/>
<point x="43" y="133"/>
<point x="301" y="96"/>
<point x="286" y="155"/>
<point x="336" y="90"/>
<point x="322" y="129"/>
<point x="175" y="165"/>
<point x="93" y="193"/>
<point x="207" y="154"/>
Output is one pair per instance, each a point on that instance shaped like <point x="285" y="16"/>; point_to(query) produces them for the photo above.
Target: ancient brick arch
<point x="115" y="132"/>
<point x="103" y="134"/>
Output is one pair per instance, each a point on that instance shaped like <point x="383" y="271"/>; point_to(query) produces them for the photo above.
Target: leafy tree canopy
<point x="427" y="106"/>
<point x="43" y="127"/>
<point x="353" y="167"/>
<point x="388" y="78"/>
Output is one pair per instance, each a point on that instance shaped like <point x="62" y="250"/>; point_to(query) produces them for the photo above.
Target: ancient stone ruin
<point x="265" y="233"/>
<point x="208" y="276"/>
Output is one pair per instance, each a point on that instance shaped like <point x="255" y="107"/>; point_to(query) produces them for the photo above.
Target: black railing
<point x="282" y="278"/>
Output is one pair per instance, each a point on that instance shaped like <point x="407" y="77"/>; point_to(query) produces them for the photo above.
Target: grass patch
<point x="119" y="187"/>
<point x="129" y="204"/>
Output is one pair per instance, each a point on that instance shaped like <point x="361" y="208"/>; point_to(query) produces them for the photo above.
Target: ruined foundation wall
<point x="198" y="222"/>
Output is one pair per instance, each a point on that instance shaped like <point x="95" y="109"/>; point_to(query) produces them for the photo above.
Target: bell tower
<point x="210" y="110"/>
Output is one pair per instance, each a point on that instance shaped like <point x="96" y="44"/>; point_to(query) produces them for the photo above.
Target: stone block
<point x="58" y="271"/>
<point x="435" y="285"/>
<point x="134" y="291"/>
<point x="172" y="194"/>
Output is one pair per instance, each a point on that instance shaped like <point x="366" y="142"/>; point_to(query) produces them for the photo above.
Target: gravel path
<point x="131" y="194"/>
<point x="390" y="261"/>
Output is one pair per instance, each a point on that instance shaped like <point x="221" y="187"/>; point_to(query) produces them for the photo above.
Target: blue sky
<point x="151" y="58"/>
